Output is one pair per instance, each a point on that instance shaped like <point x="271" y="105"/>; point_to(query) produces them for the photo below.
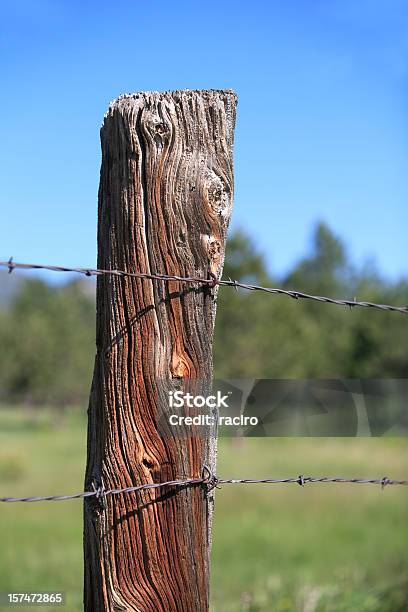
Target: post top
<point x="175" y="95"/>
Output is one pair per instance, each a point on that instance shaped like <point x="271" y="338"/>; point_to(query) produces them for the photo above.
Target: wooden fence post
<point x="165" y="200"/>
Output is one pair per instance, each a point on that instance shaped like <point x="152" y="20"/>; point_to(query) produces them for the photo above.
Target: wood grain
<point x="165" y="201"/>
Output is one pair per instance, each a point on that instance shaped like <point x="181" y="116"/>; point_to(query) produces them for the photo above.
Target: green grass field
<point x="322" y="548"/>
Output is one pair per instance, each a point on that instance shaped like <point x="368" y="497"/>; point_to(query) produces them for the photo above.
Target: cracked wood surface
<point x="165" y="201"/>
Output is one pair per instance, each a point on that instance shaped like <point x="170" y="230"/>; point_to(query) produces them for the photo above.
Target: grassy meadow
<point x="327" y="547"/>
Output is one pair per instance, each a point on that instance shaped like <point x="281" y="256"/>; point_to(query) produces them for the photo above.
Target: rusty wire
<point x="210" y="282"/>
<point x="210" y="481"/>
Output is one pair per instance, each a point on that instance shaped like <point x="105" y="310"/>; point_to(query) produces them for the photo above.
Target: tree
<point x="47" y="339"/>
<point x="326" y="269"/>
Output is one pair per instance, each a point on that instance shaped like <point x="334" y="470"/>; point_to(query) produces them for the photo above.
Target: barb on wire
<point x="210" y="481"/>
<point x="210" y="282"/>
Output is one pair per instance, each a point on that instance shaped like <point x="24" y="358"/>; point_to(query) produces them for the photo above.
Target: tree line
<point x="47" y="332"/>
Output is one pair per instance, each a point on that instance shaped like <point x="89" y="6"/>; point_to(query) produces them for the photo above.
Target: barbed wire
<point x="210" y="481"/>
<point x="210" y="282"/>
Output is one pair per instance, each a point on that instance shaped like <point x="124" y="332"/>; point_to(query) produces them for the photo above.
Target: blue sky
<point x="321" y="134"/>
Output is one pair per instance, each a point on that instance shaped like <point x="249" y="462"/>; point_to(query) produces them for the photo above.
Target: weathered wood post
<point x="165" y="200"/>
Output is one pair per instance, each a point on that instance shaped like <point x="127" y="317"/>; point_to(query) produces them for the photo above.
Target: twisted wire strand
<point x="210" y="282"/>
<point x="211" y="481"/>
